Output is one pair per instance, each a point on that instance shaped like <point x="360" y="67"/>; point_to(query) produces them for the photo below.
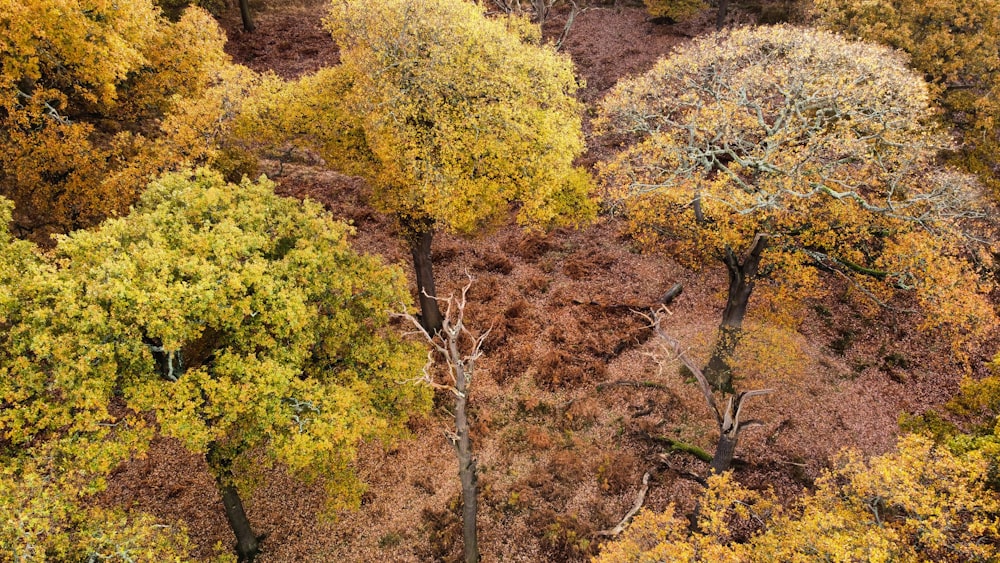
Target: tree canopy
<point x="460" y="116"/>
<point x="82" y="87"/>
<point x="951" y="42"/>
<point x="954" y="45"/>
<point x="783" y="152"/>
<point x="922" y="503"/>
<point x="242" y="320"/>
<point x="454" y="119"/>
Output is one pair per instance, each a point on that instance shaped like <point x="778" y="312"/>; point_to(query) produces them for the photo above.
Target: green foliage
<point x="821" y="145"/>
<point x="448" y="114"/>
<point x="240" y="319"/>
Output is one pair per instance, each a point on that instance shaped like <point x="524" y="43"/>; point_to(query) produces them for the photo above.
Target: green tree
<point x="783" y="153"/>
<point x="83" y="86"/>
<point x="452" y="118"/>
<point x="243" y="321"/>
<point x="954" y="45"/>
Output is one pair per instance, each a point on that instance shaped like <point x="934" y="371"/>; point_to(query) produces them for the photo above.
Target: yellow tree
<point x="83" y="85"/>
<point x="452" y="117"/>
<point x="954" y="45"/>
<point x="922" y="503"/>
<point x="781" y="152"/>
<point x="675" y="9"/>
<point x="243" y="321"/>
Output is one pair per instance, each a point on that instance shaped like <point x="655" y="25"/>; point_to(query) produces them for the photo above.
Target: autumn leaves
<point x="243" y="322"/>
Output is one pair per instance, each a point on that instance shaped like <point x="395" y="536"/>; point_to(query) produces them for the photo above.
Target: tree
<point x="243" y="321"/>
<point x="246" y="16"/>
<point x="784" y="152"/>
<point x="922" y="503"/>
<point x="41" y="519"/>
<point x="953" y="45"/>
<point x="728" y="420"/>
<point x="675" y="10"/>
<point x="448" y="343"/>
<point x="450" y="116"/>
<point x="82" y="89"/>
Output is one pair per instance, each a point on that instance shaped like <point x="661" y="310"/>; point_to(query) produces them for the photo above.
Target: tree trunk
<point x="248" y="25"/>
<point x="725" y="451"/>
<point x="247" y="544"/>
<point x="430" y="313"/>
<point x="720" y="17"/>
<point x="466" y="465"/>
<point x="718" y="371"/>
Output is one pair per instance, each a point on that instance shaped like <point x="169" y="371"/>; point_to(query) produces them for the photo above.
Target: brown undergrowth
<point x="571" y="385"/>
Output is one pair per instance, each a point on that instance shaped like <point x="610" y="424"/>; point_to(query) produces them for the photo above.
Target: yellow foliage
<point x="449" y="114"/>
<point x="954" y="45"/>
<point x="674" y="9"/>
<point x="82" y="86"/>
<point x="242" y="320"/>
<point x="42" y="520"/>
<point x="824" y="146"/>
<point x="922" y="503"/>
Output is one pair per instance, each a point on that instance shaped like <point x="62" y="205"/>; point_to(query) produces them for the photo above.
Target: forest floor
<point x="561" y="421"/>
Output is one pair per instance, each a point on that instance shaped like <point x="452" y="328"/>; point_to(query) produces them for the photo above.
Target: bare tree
<point x="449" y="343"/>
<point x="729" y="419"/>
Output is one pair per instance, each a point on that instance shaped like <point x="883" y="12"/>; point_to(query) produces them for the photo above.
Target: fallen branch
<point x="672" y="294"/>
<point x="679" y="446"/>
<point x="631" y="513"/>
<point x="630" y="383"/>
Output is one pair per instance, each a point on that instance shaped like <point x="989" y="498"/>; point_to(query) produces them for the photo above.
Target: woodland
<point x="546" y="280"/>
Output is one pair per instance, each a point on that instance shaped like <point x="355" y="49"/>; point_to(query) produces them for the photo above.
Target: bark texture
<point x="742" y="276"/>
<point x="467" y="472"/>
<point x="245" y="15"/>
<point x="720" y="17"/>
<point x="247" y="543"/>
<point x="430" y="313"/>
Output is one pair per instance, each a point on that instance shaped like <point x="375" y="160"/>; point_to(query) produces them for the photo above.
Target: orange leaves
<point x="82" y="89"/>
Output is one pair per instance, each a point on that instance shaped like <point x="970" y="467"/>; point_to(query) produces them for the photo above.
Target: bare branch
<point x="742" y="399"/>
<point x="681" y="354"/>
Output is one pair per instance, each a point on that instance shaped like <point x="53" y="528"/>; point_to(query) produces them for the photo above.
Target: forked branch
<point x="728" y="420"/>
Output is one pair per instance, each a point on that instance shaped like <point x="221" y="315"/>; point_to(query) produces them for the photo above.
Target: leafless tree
<point x="460" y="348"/>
